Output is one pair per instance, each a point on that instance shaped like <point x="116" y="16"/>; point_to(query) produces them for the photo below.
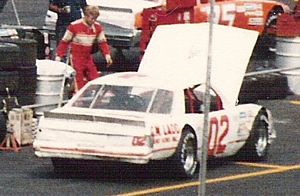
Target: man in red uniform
<point x="81" y="34"/>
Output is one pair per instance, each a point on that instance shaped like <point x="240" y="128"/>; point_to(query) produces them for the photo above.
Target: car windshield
<point x="131" y="98"/>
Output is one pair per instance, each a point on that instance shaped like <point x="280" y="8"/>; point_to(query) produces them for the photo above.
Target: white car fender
<point x="252" y="110"/>
<point x="194" y="122"/>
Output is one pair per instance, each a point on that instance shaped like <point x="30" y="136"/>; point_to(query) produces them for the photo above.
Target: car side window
<point x="87" y="96"/>
<point x="163" y="102"/>
<point x="129" y="98"/>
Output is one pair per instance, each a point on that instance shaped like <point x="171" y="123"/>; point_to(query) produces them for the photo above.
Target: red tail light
<point x="142" y="141"/>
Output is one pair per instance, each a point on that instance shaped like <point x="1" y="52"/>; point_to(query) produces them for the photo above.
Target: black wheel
<point x="27" y="85"/>
<point x="257" y="146"/>
<point x="184" y="161"/>
<point x="9" y="56"/>
<point x="272" y="18"/>
<point x="3" y="128"/>
<point x="123" y="60"/>
<point x="100" y="61"/>
<point x="28" y="50"/>
<point x="10" y="80"/>
<point x="266" y="43"/>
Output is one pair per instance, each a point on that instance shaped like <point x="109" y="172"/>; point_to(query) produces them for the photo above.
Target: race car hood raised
<point x="178" y="54"/>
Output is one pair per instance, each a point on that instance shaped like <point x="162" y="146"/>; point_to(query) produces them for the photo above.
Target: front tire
<point x="257" y="146"/>
<point x="185" y="157"/>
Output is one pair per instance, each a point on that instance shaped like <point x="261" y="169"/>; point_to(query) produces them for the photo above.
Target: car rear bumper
<point x="137" y="155"/>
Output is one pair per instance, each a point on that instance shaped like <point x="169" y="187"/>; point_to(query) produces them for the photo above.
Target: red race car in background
<point x="258" y="15"/>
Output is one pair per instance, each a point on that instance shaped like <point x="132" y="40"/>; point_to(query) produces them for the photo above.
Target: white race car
<point x="157" y="112"/>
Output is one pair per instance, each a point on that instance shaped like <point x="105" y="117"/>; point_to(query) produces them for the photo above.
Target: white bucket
<point x="50" y="75"/>
<point x="287" y="56"/>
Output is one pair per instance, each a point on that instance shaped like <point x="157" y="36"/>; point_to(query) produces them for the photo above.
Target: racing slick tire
<point x="184" y="161"/>
<point x="28" y="50"/>
<point x="3" y="128"/>
<point x="123" y="60"/>
<point x="10" y="80"/>
<point x="9" y="56"/>
<point x="267" y="41"/>
<point x="272" y="18"/>
<point x="26" y="93"/>
<point x="257" y="146"/>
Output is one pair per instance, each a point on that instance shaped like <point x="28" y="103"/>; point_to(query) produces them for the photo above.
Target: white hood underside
<point x="178" y="54"/>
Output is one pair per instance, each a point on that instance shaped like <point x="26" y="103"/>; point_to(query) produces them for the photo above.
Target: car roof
<point x="135" y="79"/>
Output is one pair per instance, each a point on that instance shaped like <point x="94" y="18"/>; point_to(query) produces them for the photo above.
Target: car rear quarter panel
<point x="250" y="15"/>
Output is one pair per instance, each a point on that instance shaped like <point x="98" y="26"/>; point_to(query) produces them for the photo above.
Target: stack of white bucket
<point x="288" y="56"/>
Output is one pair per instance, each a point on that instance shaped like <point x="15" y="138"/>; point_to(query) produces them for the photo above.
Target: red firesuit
<point x="81" y="36"/>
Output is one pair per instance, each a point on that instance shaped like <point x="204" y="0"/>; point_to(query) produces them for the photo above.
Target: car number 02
<point x="218" y="131"/>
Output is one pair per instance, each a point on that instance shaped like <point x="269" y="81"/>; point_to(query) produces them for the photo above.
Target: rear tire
<point x="185" y="158"/>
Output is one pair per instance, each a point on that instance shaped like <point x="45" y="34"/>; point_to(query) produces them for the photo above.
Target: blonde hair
<point x="91" y="10"/>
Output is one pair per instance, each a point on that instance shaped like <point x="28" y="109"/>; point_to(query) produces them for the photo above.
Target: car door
<point x="223" y="137"/>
